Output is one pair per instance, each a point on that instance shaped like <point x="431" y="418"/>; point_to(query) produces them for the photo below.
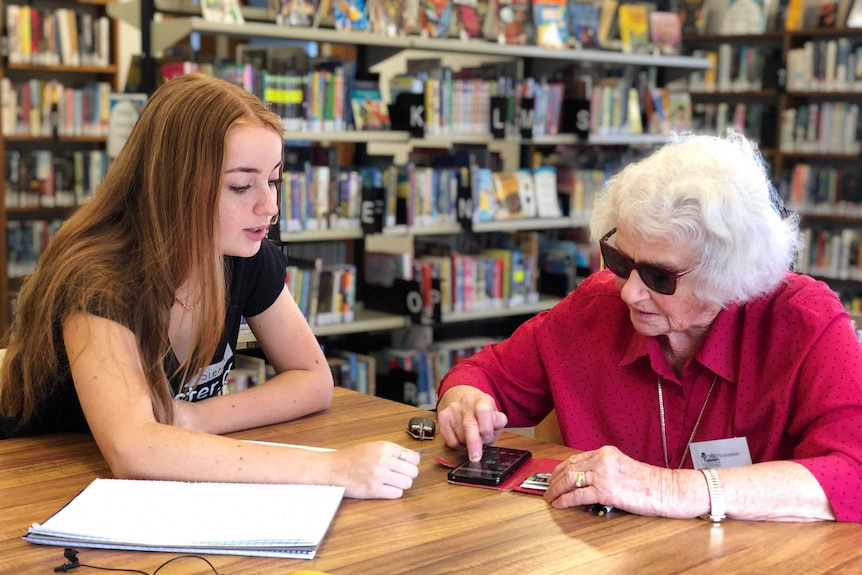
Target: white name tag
<point x="731" y="452"/>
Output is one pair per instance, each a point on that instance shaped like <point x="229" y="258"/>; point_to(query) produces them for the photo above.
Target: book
<point x="350" y="15"/>
<point x="513" y="17"/>
<point x="383" y="268"/>
<point x="827" y="15"/>
<point x="303" y="280"/>
<point x="295" y="12"/>
<point x="609" y="25"/>
<point x="124" y="112"/>
<point x="387" y="16"/>
<point x="435" y="17"/>
<point x="691" y="16"/>
<point x="222" y="11"/>
<point x="262" y="520"/>
<point x="472" y="14"/>
<point x="484" y="199"/>
<point x="680" y="111"/>
<point x="665" y="31"/>
<point x="584" y="24"/>
<point x="743" y="17"/>
<point x="551" y="23"/>
<point x="370" y="112"/>
<point x="506" y="193"/>
<point x="634" y="28"/>
<point x="854" y="16"/>
<point x="547" y="201"/>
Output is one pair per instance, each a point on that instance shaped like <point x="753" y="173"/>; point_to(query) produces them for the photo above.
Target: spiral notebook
<point x="178" y="517"/>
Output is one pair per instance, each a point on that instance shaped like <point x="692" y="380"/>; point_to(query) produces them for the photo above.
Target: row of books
<point x="823" y="190"/>
<point x="25" y="242"/>
<point x="729" y="17"/>
<point x="522" y="193"/>
<point x="834" y="254"/>
<point x="46" y="36"/>
<point x="733" y="68"/>
<point x="325" y="293"/>
<point x="813" y="14"/>
<point x="352" y="370"/>
<point x="645" y="29"/>
<point x="618" y="108"/>
<point x="421" y="370"/>
<point x="828" y="65"/>
<point x="498" y="276"/>
<point x="455" y="102"/>
<point x="493" y="279"/>
<point x="317" y="99"/>
<point x="825" y="127"/>
<point x="328" y="97"/>
<point x="546" y="23"/>
<point x="247" y="371"/>
<point x="745" y="118"/>
<point x="316" y="199"/>
<point x="48" y="109"/>
<point x="45" y="178"/>
<point x="577" y="189"/>
<point x="424" y="196"/>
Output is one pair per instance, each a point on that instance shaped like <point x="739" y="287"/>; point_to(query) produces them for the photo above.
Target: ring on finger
<point x="581" y="480"/>
<point x="403" y="455"/>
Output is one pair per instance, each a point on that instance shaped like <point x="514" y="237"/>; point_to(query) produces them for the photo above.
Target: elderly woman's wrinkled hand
<point x="609" y="477"/>
<point x="470" y="418"/>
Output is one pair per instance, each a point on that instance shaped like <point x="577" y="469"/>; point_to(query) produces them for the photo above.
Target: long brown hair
<point x="152" y="226"/>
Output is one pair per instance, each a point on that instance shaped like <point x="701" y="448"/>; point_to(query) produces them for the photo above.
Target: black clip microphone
<point x="71" y="556"/>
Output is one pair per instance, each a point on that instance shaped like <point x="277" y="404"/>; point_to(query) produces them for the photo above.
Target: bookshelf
<point x="68" y="148"/>
<point x="167" y="23"/>
<point x="818" y="167"/>
<point x="809" y="136"/>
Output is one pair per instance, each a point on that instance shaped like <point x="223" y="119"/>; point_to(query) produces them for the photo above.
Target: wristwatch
<point x="716" y="496"/>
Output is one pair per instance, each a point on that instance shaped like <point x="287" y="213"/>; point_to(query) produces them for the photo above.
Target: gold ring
<point x="403" y="456"/>
<point x="581" y="481"/>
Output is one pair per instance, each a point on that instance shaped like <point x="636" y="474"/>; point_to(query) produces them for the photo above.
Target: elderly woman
<point x="695" y="332"/>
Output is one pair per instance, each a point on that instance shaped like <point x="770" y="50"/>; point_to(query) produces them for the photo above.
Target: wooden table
<point x="435" y="528"/>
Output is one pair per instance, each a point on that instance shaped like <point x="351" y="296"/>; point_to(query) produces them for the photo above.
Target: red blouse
<point x="789" y="369"/>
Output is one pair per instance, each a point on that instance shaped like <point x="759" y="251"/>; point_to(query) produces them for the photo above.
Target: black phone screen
<point x="496" y="465"/>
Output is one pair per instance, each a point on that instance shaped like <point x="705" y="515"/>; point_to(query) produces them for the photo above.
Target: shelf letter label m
<point x="526" y="119"/>
<point x="465" y="199"/>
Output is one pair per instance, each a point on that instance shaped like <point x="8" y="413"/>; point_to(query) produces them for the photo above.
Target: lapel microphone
<point x="71" y="556"/>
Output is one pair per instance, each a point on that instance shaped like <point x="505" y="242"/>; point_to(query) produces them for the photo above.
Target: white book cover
<point x="124" y="110"/>
<point x="222" y="11"/>
<point x="103" y="43"/>
<point x="13" y="16"/>
<point x="547" y="202"/>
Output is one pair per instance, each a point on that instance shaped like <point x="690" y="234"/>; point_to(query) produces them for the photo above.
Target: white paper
<point x="187" y="517"/>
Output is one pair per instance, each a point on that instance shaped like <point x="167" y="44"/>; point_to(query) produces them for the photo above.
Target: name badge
<point x="731" y="452"/>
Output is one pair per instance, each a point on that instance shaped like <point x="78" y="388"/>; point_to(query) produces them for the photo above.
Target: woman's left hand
<point x="610" y="477"/>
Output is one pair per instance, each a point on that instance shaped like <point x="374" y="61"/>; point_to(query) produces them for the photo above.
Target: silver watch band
<point x="716" y="495"/>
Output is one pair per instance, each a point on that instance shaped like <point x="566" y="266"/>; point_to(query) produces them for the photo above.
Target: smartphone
<point x="496" y="465"/>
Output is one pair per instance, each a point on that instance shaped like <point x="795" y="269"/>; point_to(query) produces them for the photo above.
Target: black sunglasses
<point x="654" y="277"/>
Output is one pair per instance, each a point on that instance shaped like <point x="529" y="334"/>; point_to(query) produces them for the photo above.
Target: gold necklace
<point x="186" y="307"/>
<point x="693" y="431"/>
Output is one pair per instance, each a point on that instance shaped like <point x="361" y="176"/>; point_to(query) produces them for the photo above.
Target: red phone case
<point x="513" y="483"/>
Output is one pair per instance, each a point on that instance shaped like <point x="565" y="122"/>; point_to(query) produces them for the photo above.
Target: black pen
<point x="600" y="510"/>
